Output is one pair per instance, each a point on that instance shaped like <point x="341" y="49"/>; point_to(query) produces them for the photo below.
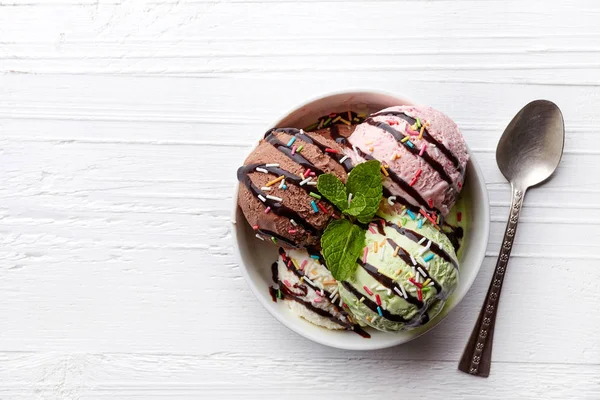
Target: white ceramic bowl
<point x="255" y="257"/>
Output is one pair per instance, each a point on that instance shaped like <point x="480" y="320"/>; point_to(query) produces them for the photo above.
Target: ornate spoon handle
<point x="477" y="357"/>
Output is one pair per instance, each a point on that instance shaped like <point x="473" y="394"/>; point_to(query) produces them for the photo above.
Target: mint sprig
<point x="365" y="181"/>
<point x="343" y="241"/>
<point x="342" y="244"/>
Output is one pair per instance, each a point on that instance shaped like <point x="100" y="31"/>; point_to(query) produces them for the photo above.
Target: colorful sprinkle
<point x="378" y="299"/>
<point x="322" y="207"/>
<point x="375" y="247"/>
<point x="417" y="284"/>
<point x="371" y="229"/>
<point x="404" y="221"/>
<point x="332" y="151"/>
<point x="272" y="165"/>
<point x="382" y="252"/>
<point x="411" y="214"/>
<point x="312" y="183"/>
<point x="420" y="223"/>
<point x="423" y="274"/>
<point x="379" y="311"/>
<point x="424" y="249"/>
<point x="293" y="222"/>
<point x="423" y="239"/>
<point x="395" y="156"/>
<point x="428" y="257"/>
<point x="273" y="239"/>
<point x="314" y="206"/>
<point x="274" y="181"/>
<point x="317" y="300"/>
<point x="384" y="171"/>
<point x="420" y="294"/>
<point x="259" y="169"/>
<point x="410" y="144"/>
<point x="311" y="127"/>
<point x="459" y="216"/>
<point x="396" y="251"/>
<point x="343" y="159"/>
<point x="261" y="198"/>
<point x="421" y="133"/>
<point x="316" y="196"/>
<point x="308" y="280"/>
<point x="259" y="236"/>
<point x="398" y="291"/>
<point x="255" y="227"/>
<point x="267" y="210"/>
<point x="405" y="139"/>
<point x="428" y="217"/>
<point x="304" y="182"/>
<point x="412" y="259"/>
<point x="306" y="173"/>
<point x="350" y="199"/>
<point x="345" y="122"/>
<point x="294" y="150"/>
<point x="314" y="256"/>
<point x="327" y="121"/>
<point x="362" y="299"/>
<point x="299" y="149"/>
<point x="391" y="200"/>
<point x="275" y="198"/>
<point x="365" y="252"/>
<point x="292" y="231"/>
<point x="265" y="188"/>
<point x="337" y="119"/>
<point x="426" y="282"/>
<point x="368" y="290"/>
<point x="422" y="150"/>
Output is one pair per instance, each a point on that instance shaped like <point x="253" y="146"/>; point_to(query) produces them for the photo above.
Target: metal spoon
<point x="528" y="153"/>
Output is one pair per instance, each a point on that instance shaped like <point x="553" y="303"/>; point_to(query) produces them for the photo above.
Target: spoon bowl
<point x="531" y="146"/>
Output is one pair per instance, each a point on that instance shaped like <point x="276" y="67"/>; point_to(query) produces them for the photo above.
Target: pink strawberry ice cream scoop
<point x="424" y="150"/>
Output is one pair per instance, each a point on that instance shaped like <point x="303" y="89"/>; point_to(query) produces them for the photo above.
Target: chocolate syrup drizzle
<point x="300" y="134"/>
<point x="425" y="156"/>
<point x="415" y="237"/>
<point x="426" y="135"/>
<point x="419" y="319"/>
<point x="289" y="294"/>
<point x="278" y="208"/>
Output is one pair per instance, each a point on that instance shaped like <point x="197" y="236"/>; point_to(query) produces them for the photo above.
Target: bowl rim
<point x="366" y="344"/>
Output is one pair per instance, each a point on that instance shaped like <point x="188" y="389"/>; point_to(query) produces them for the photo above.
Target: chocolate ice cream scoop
<point x="278" y="193"/>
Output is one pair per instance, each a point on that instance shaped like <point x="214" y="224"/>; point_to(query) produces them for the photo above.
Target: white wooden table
<point x="122" y="124"/>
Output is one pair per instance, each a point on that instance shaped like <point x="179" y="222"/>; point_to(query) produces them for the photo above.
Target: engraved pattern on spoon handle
<point x="477" y="357"/>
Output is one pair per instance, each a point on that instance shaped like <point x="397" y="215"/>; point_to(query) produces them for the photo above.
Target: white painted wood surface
<point x="121" y="127"/>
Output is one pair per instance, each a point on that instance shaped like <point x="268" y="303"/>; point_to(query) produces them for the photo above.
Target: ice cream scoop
<point x="423" y="150"/>
<point x="408" y="270"/>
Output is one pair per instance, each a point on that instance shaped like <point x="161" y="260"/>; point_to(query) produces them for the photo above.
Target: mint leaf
<point x="342" y="244"/>
<point x="365" y="180"/>
<point x="357" y="205"/>
<point x="333" y="189"/>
